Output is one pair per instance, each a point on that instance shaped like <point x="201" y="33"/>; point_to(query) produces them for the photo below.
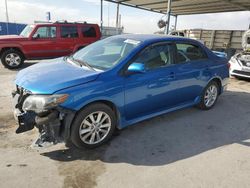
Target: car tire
<point x="209" y="96"/>
<point x="12" y="59"/>
<point x="93" y="126"/>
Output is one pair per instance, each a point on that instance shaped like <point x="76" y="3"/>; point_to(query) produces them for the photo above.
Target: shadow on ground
<point x="25" y="65"/>
<point x="174" y="136"/>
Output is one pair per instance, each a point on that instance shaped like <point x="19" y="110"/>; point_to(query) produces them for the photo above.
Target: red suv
<point x="42" y="41"/>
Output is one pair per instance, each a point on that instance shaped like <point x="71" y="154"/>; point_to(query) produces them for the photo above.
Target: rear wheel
<point x="12" y="59"/>
<point x="93" y="126"/>
<point x="209" y="96"/>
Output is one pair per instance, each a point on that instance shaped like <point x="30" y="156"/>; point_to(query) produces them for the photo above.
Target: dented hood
<point x="51" y="76"/>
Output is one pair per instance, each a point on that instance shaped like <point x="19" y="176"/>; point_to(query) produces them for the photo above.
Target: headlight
<point x="234" y="60"/>
<point x="40" y="103"/>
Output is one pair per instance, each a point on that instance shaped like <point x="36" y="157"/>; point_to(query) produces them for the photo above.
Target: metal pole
<point x="168" y="17"/>
<point x="108" y="14"/>
<point x="175" y="25"/>
<point x="101" y="16"/>
<point x="117" y="14"/>
<point x="7" y="17"/>
<point x="117" y="17"/>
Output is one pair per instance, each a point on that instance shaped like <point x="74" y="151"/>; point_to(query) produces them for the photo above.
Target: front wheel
<point x="209" y="96"/>
<point x="93" y="126"/>
<point x="12" y="59"/>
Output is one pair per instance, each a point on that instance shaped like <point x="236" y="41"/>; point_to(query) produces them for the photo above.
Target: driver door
<point x="153" y="90"/>
<point x="43" y="43"/>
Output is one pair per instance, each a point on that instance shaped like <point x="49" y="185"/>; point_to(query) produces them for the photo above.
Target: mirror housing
<point x="136" y="68"/>
<point x="36" y="36"/>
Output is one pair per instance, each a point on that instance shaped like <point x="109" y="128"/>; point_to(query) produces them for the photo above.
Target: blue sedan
<point x="114" y="83"/>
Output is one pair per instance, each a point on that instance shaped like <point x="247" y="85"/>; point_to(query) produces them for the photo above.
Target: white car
<point x="240" y="63"/>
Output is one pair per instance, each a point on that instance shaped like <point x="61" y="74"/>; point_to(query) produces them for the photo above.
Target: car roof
<point x="65" y="23"/>
<point x="155" y="38"/>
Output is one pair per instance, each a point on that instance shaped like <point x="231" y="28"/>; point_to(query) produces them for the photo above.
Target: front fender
<point x="96" y="91"/>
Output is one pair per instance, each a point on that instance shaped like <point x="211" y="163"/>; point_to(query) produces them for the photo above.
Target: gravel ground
<point x="187" y="148"/>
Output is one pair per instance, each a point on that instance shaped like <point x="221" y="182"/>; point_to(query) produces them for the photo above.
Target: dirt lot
<point x="188" y="148"/>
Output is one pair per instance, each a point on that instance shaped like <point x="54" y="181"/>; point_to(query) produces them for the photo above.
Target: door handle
<point x="172" y="75"/>
<point x="167" y="78"/>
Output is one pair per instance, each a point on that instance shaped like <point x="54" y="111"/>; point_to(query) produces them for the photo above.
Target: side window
<point x="45" y="32"/>
<point x="156" y="56"/>
<point x="189" y="52"/>
<point x="88" y="31"/>
<point x="69" y="32"/>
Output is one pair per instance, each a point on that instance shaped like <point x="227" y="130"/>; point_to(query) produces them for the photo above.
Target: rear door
<point x="192" y="70"/>
<point x="88" y="35"/>
<point x="68" y="39"/>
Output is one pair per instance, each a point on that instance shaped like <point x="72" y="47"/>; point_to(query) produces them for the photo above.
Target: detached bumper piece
<point x="49" y="129"/>
<point x="53" y="125"/>
<point x="48" y="126"/>
<point x="26" y="122"/>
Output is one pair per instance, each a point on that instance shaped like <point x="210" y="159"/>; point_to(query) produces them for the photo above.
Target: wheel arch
<point x="9" y="48"/>
<point x="218" y="81"/>
<point x="109" y="104"/>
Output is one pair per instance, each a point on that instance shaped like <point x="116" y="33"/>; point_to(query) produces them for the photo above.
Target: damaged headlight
<point x="40" y="103"/>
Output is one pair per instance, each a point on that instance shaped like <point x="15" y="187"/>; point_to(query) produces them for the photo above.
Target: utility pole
<point x="175" y="25"/>
<point x="117" y="17"/>
<point x="108" y="14"/>
<point x="7" y="17"/>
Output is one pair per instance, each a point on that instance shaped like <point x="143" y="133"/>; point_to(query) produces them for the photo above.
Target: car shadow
<point x="25" y="65"/>
<point x="174" y="136"/>
<point x="241" y="78"/>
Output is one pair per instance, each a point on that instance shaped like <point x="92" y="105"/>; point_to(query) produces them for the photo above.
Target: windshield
<point x="106" y="53"/>
<point x="27" y="30"/>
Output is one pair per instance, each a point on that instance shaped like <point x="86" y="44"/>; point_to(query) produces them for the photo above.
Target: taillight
<point x="228" y="65"/>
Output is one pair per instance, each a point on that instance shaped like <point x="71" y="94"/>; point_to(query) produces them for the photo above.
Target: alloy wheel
<point x="13" y="59"/>
<point x="210" y="95"/>
<point x="95" y="127"/>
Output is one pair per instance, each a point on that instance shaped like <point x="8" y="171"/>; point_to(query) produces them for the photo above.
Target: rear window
<point x="69" y="32"/>
<point x="88" y="31"/>
<point x="189" y="52"/>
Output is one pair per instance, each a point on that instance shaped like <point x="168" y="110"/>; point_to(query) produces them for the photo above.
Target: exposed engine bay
<point x="245" y="55"/>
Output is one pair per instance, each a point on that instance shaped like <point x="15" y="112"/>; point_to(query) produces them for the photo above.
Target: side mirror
<point x="136" y="68"/>
<point x="36" y="36"/>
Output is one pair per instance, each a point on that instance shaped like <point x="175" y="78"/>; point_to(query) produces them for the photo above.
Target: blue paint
<point x="136" y="68"/>
<point x="136" y="96"/>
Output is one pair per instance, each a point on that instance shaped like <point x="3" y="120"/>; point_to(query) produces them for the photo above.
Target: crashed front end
<point x="240" y="65"/>
<point x="44" y="113"/>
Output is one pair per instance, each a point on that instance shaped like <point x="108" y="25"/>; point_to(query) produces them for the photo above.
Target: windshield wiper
<point x="80" y="62"/>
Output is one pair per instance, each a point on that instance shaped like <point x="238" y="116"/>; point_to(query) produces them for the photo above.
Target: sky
<point x="133" y="20"/>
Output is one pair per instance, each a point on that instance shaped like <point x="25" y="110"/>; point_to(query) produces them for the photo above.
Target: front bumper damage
<point x="53" y="125"/>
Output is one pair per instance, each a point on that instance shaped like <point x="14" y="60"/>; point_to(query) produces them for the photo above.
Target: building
<point x="11" y="28"/>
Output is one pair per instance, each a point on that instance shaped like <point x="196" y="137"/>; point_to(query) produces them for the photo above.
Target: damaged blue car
<point x="113" y="83"/>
